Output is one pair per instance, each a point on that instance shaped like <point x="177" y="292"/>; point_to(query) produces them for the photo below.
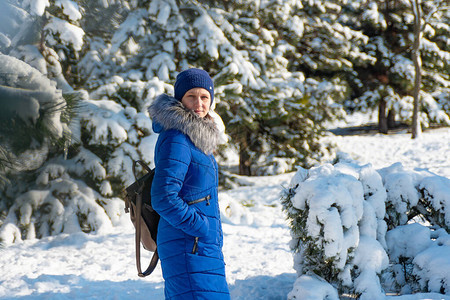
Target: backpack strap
<point x="155" y="257"/>
<point x="143" y="164"/>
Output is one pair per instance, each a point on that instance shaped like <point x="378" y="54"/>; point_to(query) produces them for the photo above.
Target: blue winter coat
<point x="184" y="193"/>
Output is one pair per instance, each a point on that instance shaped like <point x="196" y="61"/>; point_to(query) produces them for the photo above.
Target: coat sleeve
<point x="172" y="162"/>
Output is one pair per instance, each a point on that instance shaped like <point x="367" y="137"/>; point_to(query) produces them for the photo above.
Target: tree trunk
<point x="391" y="119"/>
<point x="416" y="129"/>
<point x="244" y="162"/>
<point x="382" y="120"/>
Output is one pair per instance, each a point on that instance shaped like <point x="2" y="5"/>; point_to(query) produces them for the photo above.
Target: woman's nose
<point x="198" y="100"/>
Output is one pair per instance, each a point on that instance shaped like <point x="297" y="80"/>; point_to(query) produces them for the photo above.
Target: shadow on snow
<point x="263" y="287"/>
<point x="76" y="287"/>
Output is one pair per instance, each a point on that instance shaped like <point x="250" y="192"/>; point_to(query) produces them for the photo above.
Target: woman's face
<point x="198" y="100"/>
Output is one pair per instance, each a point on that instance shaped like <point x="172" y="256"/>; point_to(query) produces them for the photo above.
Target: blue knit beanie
<point x="193" y="78"/>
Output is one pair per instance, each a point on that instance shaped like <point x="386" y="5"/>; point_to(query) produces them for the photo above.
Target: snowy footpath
<point x="256" y="237"/>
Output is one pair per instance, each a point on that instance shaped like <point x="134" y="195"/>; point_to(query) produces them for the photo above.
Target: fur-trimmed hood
<point x="168" y="113"/>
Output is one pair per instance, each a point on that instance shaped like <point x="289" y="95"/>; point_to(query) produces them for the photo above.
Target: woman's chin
<point x="200" y="114"/>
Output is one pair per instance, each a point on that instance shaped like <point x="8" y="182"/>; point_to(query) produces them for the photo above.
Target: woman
<point x="184" y="190"/>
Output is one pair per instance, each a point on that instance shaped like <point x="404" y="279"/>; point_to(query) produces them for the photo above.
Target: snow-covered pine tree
<point x="387" y="85"/>
<point x="338" y="232"/>
<point x="422" y="197"/>
<point x="65" y="190"/>
<point x="354" y="227"/>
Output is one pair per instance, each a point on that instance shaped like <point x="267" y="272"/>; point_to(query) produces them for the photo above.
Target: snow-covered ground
<point x="431" y="152"/>
<point x="259" y="262"/>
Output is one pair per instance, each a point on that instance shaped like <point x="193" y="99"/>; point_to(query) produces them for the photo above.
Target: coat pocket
<point x="200" y="200"/>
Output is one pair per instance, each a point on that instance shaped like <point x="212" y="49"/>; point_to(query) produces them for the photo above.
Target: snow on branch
<point x="31" y="105"/>
<point x="70" y="34"/>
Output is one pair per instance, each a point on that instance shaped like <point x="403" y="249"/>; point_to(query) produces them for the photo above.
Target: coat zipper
<point x="195" y="248"/>
<point x="201" y="200"/>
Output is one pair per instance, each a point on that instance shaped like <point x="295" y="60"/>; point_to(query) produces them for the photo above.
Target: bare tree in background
<point x="419" y="26"/>
<point x="416" y="129"/>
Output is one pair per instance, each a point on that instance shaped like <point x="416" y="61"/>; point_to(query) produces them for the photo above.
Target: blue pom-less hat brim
<point x="193" y="78"/>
